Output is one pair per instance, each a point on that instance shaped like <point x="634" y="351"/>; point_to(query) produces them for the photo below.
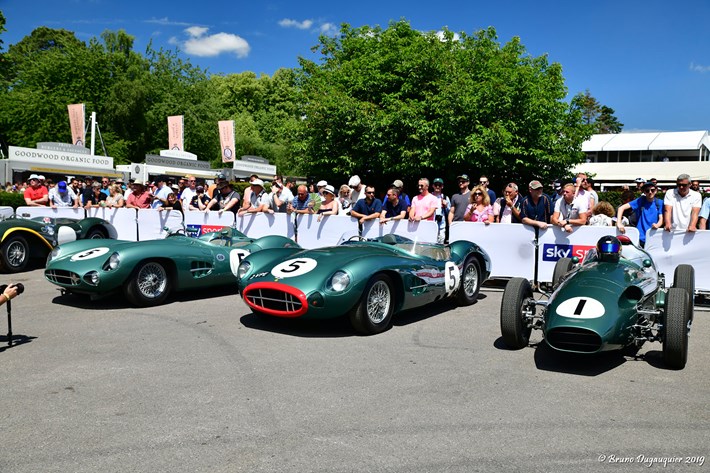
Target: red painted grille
<point x="276" y="299"/>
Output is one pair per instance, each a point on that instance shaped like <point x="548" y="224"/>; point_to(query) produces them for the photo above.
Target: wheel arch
<point x="38" y="245"/>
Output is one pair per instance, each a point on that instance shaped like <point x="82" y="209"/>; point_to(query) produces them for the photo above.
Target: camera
<point x="19" y="286"/>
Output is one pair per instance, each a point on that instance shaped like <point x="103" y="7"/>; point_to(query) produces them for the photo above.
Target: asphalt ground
<point x="201" y="385"/>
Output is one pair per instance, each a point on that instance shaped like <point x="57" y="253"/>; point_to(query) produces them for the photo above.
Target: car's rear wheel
<point x="513" y="327"/>
<point x="562" y="267"/>
<point x="470" y="282"/>
<point x="675" y="326"/>
<point x="373" y="314"/>
<point x="149" y="285"/>
<point x="684" y="278"/>
<point x="14" y="254"/>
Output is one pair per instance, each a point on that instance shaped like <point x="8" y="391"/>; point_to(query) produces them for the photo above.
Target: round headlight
<point x="53" y="254"/>
<point x="340" y="281"/>
<point x="92" y="277"/>
<point x="243" y="269"/>
<point x="113" y="261"/>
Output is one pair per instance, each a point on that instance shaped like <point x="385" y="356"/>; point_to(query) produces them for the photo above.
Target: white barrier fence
<point x="512" y="247"/>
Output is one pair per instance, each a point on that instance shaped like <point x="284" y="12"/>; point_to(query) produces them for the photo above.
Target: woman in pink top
<point x="480" y="209"/>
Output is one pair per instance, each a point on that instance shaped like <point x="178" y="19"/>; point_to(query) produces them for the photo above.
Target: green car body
<point x="147" y="271"/>
<point x="369" y="280"/>
<point x="25" y="238"/>
<point x="599" y="306"/>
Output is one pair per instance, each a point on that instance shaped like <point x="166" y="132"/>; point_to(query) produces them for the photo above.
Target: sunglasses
<point x="683" y="185"/>
<point x="483" y="182"/>
<point x="370" y="192"/>
<point x="653" y="189"/>
<point x="477" y="193"/>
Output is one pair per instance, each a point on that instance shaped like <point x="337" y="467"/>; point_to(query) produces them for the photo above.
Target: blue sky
<point x="648" y="60"/>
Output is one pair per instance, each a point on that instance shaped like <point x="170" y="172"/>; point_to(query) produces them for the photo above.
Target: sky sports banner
<point x="226" y="140"/>
<point x="77" y="118"/>
<point x="175" y="133"/>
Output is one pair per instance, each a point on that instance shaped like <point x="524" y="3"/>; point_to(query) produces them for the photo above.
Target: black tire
<point x="373" y="314"/>
<point x="684" y="278"/>
<point x="675" y="327"/>
<point x="96" y="233"/>
<point x="562" y="267"/>
<point x="14" y="254"/>
<point x="149" y="284"/>
<point x="470" y="282"/>
<point x="513" y="327"/>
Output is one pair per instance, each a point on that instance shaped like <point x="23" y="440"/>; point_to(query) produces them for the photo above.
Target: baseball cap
<point x="200" y="188"/>
<point x="438" y="180"/>
<point x="354" y="181"/>
<point x="221" y="176"/>
<point x="257" y="182"/>
<point x="557" y="184"/>
<point x="639" y="180"/>
<point x="62" y="186"/>
<point x="463" y="177"/>
<point x="535" y="185"/>
<point x="648" y="184"/>
<point x="398" y="184"/>
<point x="322" y="184"/>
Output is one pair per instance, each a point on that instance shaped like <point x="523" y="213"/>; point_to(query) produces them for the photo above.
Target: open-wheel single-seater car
<point x="147" y="271"/>
<point x="615" y="298"/>
<point x="368" y="279"/>
<point x="25" y="238"/>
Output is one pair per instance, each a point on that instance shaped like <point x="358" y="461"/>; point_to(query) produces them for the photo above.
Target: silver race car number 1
<point x="581" y="308"/>
<point x="294" y="267"/>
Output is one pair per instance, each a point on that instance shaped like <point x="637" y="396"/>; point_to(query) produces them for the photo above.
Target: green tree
<point x="397" y="102"/>
<point x="600" y="118"/>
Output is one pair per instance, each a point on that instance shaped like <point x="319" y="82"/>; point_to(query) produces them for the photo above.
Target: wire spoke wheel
<point x="16" y="253"/>
<point x="378" y="302"/>
<point x="152" y="280"/>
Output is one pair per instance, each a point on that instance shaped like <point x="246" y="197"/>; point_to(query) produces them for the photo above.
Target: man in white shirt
<point x="62" y="195"/>
<point x="188" y="192"/>
<point x="681" y="206"/>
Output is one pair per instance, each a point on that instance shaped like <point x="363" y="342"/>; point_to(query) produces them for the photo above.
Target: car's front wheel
<point x="675" y="326"/>
<point x="513" y="327"/>
<point x="562" y="267"/>
<point x="96" y="234"/>
<point x="373" y="314"/>
<point x="14" y="254"/>
<point x="470" y="282"/>
<point x="684" y="278"/>
<point x="149" y="284"/>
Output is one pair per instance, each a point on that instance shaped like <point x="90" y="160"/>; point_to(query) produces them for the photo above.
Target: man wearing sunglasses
<point x="681" y="206"/>
<point x="368" y="208"/>
<point x="648" y="210"/>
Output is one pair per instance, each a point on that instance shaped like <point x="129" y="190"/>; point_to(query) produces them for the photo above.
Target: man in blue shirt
<point x="368" y="208"/>
<point x="394" y="208"/>
<point x="648" y="209"/>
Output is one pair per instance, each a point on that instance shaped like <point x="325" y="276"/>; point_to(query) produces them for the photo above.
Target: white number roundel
<point x="294" y="267"/>
<point x="581" y="308"/>
<point x="452" y="278"/>
<point x="90" y="254"/>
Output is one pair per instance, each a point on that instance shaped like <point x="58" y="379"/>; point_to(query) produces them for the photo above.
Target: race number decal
<point x="452" y="279"/>
<point x="581" y="308"/>
<point x="294" y="267"/>
<point x="235" y="259"/>
<point x="90" y="254"/>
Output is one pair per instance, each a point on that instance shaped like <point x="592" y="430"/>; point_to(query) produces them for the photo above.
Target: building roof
<point x="665" y="172"/>
<point x="655" y="141"/>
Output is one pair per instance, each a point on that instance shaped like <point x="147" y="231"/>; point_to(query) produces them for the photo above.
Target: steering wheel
<point x="179" y="231"/>
<point x="357" y="238"/>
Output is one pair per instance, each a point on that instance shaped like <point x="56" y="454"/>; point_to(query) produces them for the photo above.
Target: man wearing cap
<point x="36" y="195"/>
<point x="97" y="198"/>
<point x="640" y="181"/>
<point x="320" y="186"/>
<point x="160" y="196"/>
<point x="358" y="190"/>
<point x="220" y="179"/>
<point x="556" y="192"/>
<point x="258" y="198"/>
<point x="402" y="195"/>
<point x="681" y="206"/>
<point x="460" y="200"/>
<point x="62" y="195"/>
<point x="536" y="208"/>
<point x="199" y="200"/>
<point x="442" y="209"/>
<point x="140" y="197"/>
<point x="225" y="199"/>
<point x="507" y="208"/>
<point x="648" y="210"/>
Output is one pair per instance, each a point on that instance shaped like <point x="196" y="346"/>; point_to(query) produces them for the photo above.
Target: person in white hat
<point x="258" y="199"/>
<point x="330" y="205"/>
<point x="358" y="188"/>
<point x="36" y="195"/>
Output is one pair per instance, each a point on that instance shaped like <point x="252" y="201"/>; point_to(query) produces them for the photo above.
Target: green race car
<point x="369" y="280"/>
<point x="25" y="238"/>
<point x="147" y="271"/>
<point x="614" y="299"/>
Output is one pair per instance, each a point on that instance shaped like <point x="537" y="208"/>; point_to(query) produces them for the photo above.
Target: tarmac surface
<point x="202" y="385"/>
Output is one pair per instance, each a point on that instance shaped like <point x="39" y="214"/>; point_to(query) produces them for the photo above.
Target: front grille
<point x="275" y="299"/>
<point x="60" y="276"/>
<point x="574" y="339"/>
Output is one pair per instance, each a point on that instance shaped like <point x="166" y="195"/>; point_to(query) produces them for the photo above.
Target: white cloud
<point x="166" y="22"/>
<point x="440" y="35"/>
<point x="699" y="68"/>
<point x="301" y="25"/>
<point x="216" y="44"/>
<point x="328" y="29"/>
<point x="196" y="31"/>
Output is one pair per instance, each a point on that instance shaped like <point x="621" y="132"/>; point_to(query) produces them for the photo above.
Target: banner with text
<point x="226" y="140"/>
<point x="77" y="118"/>
<point x="175" y="133"/>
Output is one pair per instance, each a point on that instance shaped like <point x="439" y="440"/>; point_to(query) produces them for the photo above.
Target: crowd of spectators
<point x="568" y="205"/>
